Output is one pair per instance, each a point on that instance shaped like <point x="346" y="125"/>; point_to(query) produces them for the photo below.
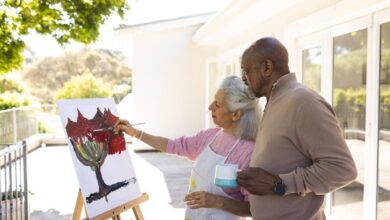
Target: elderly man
<point x="300" y="154"/>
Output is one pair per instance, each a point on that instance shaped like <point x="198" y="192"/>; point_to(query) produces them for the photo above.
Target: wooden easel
<point x="113" y="213"/>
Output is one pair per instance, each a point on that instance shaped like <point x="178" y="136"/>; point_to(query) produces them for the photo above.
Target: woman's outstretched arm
<point x="157" y="142"/>
<point x="196" y="200"/>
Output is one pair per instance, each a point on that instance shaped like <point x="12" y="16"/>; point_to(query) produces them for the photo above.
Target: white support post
<point x="15" y="126"/>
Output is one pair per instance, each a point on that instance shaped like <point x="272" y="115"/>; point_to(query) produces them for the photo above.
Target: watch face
<point x="280" y="188"/>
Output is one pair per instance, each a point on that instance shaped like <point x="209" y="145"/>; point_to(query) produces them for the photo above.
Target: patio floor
<point x="53" y="184"/>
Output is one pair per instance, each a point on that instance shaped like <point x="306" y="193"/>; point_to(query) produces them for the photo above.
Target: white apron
<point x="202" y="179"/>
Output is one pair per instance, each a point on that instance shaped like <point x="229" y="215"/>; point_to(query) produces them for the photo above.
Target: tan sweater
<point x="300" y="140"/>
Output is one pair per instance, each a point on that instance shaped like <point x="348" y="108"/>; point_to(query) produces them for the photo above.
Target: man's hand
<point x="201" y="199"/>
<point x="257" y="181"/>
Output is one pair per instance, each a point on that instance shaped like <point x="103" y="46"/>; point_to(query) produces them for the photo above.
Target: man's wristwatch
<point x="279" y="188"/>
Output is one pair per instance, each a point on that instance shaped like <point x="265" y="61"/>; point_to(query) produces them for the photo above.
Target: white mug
<point x="226" y="175"/>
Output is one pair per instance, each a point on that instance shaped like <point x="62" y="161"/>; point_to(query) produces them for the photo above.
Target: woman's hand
<point x="202" y="199"/>
<point x="124" y="125"/>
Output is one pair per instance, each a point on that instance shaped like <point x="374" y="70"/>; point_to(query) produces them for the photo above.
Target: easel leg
<point x="137" y="213"/>
<point x="79" y="206"/>
<point x="116" y="217"/>
<point x="114" y="214"/>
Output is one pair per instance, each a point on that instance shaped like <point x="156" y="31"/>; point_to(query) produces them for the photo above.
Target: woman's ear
<point x="237" y="115"/>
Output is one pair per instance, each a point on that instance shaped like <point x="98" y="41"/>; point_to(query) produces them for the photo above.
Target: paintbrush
<point x="112" y="128"/>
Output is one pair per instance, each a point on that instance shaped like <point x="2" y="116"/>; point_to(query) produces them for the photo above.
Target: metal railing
<point x="352" y="119"/>
<point x="13" y="182"/>
<point x="17" y="124"/>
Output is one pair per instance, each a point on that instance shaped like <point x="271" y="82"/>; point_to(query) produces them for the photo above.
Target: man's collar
<point x="282" y="84"/>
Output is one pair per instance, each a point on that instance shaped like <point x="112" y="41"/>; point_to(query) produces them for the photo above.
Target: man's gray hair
<point x="238" y="97"/>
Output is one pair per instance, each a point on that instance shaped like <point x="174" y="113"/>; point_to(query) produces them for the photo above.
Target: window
<point x="311" y="68"/>
<point x="349" y="103"/>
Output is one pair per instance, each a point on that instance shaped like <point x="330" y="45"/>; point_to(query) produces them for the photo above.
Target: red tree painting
<point x="92" y="140"/>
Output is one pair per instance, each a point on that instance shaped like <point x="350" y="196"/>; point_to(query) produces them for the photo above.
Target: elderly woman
<point x="236" y="116"/>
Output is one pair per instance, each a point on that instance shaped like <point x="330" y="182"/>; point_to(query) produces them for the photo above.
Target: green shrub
<point x="42" y="127"/>
<point x="359" y="97"/>
<point x="83" y="86"/>
<point x="13" y="100"/>
<point x="350" y="97"/>
<point x="340" y="96"/>
<point x="14" y="195"/>
<point x="385" y="96"/>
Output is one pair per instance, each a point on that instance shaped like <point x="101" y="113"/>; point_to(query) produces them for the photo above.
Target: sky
<point x="141" y="11"/>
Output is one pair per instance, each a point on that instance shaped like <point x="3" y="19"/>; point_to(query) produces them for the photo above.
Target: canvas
<point x="103" y="165"/>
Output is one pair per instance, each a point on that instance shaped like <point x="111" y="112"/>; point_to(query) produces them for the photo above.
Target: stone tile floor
<point x="53" y="184"/>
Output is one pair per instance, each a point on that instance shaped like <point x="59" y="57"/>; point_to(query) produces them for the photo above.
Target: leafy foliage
<point x="351" y="97"/>
<point x="83" y="86"/>
<point x="46" y="76"/>
<point x="14" y="193"/>
<point x="311" y="71"/>
<point x="65" y="20"/>
<point x="385" y="97"/>
<point x="350" y="42"/>
<point x="12" y="92"/>
<point x="11" y="47"/>
<point x="11" y="84"/>
<point x="312" y="77"/>
<point x="351" y="103"/>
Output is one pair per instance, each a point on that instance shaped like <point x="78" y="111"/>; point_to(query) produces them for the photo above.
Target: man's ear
<point x="268" y="66"/>
<point x="237" y="115"/>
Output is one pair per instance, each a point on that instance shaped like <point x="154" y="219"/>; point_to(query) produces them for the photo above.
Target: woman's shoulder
<point x="209" y="131"/>
<point x="204" y="135"/>
<point x="242" y="153"/>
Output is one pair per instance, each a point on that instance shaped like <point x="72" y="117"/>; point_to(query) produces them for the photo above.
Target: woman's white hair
<point x="238" y="97"/>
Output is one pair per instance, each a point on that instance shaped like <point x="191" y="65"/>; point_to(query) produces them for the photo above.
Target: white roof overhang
<point x="166" y="24"/>
<point x="240" y="17"/>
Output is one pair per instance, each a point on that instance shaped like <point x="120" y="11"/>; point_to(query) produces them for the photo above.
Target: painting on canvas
<point x="102" y="162"/>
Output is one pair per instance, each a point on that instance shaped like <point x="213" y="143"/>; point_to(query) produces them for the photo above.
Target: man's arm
<point x="320" y="140"/>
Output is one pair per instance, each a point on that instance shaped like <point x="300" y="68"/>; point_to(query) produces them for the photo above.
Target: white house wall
<point x="303" y="25"/>
<point x="229" y="32"/>
<point x="168" y="79"/>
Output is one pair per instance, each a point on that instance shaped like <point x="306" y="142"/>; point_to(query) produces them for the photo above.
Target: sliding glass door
<point x="383" y="192"/>
<point x="351" y="68"/>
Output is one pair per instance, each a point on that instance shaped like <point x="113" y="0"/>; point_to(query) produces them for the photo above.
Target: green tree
<point x="65" y="20"/>
<point x="45" y="76"/>
<point x="11" y="84"/>
<point x="83" y="86"/>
